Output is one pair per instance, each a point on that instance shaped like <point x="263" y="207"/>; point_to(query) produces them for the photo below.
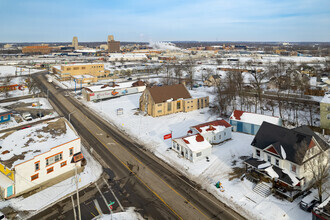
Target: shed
<point x="247" y="122"/>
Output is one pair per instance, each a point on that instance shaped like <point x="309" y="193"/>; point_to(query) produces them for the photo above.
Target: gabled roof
<point x="253" y="118"/>
<point x="291" y="144"/>
<point x="212" y="126"/>
<point x="163" y="93"/>
<point x="195" y="143"/>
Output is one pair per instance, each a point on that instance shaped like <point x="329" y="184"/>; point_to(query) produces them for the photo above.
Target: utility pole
<point x="104" y="199"/>
<point x="77" y="191"/>
<point x="74" y="209"/>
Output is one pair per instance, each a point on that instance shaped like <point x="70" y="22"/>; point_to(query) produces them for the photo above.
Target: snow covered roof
<point x="100" y="88"/>
<point x="288" y="144"/>
<point x="83" y="76"/>
<point x="254" y="118"/>
<point x="212" y="126"/>
<point x="195" y="143"/>
<point x="3" y="110"/>
<point x="21" y="145"/>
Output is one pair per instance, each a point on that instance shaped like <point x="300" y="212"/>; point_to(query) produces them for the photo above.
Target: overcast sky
<point x="164" y="20"/>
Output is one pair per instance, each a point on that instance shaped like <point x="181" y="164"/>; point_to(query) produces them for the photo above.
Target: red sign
<point x="92" y="94"/>
<point x="167" y="136"/>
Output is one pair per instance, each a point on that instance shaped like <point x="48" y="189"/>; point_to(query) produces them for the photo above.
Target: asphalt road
<point x="155" y="188"/>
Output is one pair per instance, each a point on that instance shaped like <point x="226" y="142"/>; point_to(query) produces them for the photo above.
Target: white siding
<point x="24" y="171"/>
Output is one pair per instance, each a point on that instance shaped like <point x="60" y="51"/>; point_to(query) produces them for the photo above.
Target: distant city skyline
<point x="165" y="20"/>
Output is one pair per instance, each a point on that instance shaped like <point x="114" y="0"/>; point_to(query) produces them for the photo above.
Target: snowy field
<point x="49" y="196"/>
<point x="15" y="71"/>
<point x="225" y="158"/>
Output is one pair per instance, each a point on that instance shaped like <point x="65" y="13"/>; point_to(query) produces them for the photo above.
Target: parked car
<point x="40" y="115"/>
<point x="129" y="78"/>
<point x="27" y="116"/>
<point x="308" y="202"/>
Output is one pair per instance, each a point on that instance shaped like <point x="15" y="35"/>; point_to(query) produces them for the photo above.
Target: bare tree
<point x="189" y="67"/>
<point x="32" y="86"/>
<point x="319" y="167"/>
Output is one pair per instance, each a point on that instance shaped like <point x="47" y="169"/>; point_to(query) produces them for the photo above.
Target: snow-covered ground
<point x="41" y="200"/>
<point x="44" y="105"/>
<point x="15" y="71"/>
<point x="129" y="214"/>
<point x="226" y="157"/>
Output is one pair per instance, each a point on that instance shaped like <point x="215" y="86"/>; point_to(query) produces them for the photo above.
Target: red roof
<point x="211" y="124"/>
<point x="238" y="114"/>
<point x="199" y="138"/>
<point x="187" y="142"/>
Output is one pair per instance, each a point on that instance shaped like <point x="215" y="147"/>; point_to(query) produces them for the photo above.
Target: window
<point x="199" y="154"/>
<point x="68" y="68"/>
<point x="293" y="168"/>
<point x="214" y="137"/>
<point x="258" y="153"/>
<point x="37" y="166"/>
<point x="63" y="164"/>
<point x="49" y="170"/>
<point x="328" y="109"/>
<point x="178" y="105"/>
<point x="35" y="176"/>
<point x="277" y="162"/>
<point x="83" y="68"/>
<point x="159" y="111"/>
<point x="159" y="105"/>
<point x="53" y="159"/>
<point x="269" y="158"/>
<point x="76" y="68"/>
<point x="71" y="151"/>
<point x="169" y="106"/>
<point x="328" y="116"/>
<point x="224" y="133"/>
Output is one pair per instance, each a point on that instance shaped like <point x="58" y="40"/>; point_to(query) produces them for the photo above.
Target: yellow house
<point x="213" y="80"/>
<point x="165" y="100"/>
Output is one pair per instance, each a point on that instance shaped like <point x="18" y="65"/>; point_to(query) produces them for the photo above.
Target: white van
<point x="27" y="116"/>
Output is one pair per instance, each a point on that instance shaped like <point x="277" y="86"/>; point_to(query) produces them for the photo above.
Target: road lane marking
<point x="159" y="197"/>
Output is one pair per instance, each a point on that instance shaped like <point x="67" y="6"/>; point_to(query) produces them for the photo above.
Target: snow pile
<point x="129" y="214"/>
<point x="271" y="172"/>
<point x="163" y="46"/>
<point x="283" y="153"/>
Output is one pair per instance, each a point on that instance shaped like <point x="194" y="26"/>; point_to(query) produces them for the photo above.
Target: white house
<point x="31" y="157"/>
<point x="214" y="132"/>
<point x="193" y="147"/>
<point x="285" y="157"/>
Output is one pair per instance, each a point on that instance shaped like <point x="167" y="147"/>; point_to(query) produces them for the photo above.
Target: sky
<point x="164" y="20"/>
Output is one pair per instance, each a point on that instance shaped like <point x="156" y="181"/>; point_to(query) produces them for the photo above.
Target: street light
<point x="70" y="114"/>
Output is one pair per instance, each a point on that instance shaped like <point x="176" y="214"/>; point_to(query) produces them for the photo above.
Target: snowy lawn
<point x="46" y="197"/>
<point x="225" y="162"/>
